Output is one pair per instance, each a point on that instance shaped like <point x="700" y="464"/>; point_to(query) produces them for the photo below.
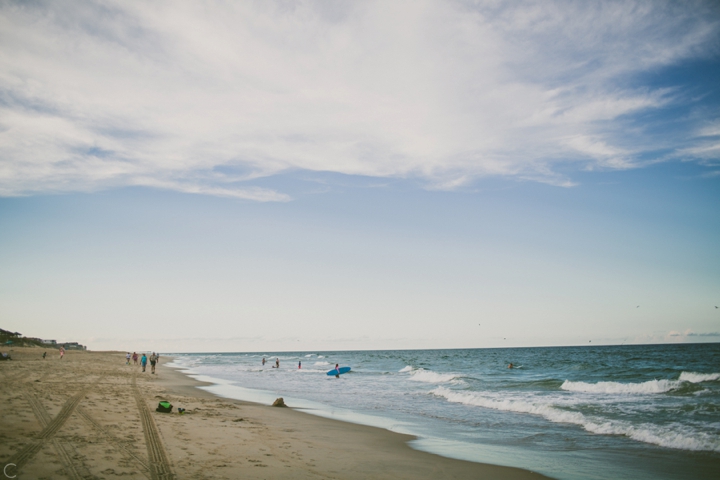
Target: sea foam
<point x="675" y="436"/>
<point x="428" y="376"/>
<point x="651" y="386"/>
<point x="693" y="377"/>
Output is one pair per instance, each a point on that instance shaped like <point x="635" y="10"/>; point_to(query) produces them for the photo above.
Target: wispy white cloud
<point x="101" y="94"/>
<point x="690" y="333"/>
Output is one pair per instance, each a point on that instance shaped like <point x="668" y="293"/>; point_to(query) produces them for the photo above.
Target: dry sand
<point x="91" y="416"/>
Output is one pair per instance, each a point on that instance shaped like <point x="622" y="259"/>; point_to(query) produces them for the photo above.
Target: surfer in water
<point x="510" y="366"/>
<point x="263" y="361"/>
<point x="277" y="363"/>
<point x="337" y="369"/>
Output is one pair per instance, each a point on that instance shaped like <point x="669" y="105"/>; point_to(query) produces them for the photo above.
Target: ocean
<point x="600" y="412"/>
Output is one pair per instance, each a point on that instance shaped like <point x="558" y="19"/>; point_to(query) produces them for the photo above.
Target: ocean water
<point x="605" y="412"/>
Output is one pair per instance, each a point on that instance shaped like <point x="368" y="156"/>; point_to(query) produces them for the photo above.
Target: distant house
<point x="8" y="338"/>
<point x="73" y="346"/>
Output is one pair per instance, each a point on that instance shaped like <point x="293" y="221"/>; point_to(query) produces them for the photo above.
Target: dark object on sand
<point x="164" y="407"/>
<point x="5" y="356"/>
<point x="279" y="403"/>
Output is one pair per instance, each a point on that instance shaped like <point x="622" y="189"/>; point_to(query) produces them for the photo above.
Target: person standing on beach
<point x="135" y="357"/>
<point x="44" y="353"/>
<point x="127" y="359"/>
<point x="153" y="360"/>
<point x="143" y="362"/>
<point x="62" y="353"/>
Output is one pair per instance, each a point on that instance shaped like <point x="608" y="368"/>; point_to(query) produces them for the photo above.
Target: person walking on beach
<point x="143" y="362"/>
<point x="62" y="353"/>
<point x="44" y="353"/>
<point x="127" y="359"/>
<point x="153" y="360"/>
<point x="135" y="357"/>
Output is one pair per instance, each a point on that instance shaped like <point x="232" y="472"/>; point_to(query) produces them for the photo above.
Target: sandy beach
<point x="92" y="416"/>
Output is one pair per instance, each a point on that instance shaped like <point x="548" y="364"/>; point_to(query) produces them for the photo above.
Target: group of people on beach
<point x="62" y="353"/>
<point x="154" y="359"/>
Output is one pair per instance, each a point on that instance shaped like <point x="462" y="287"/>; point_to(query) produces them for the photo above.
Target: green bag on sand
<point x="164" y="407"/>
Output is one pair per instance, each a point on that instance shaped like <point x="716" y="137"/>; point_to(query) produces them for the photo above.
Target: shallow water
<point x="632" y="411"/>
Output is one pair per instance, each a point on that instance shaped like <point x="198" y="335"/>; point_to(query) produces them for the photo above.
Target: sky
<point x="323" y="175"/>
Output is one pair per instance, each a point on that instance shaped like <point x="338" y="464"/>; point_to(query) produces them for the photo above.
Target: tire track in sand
<point x="64" y="449"/>
<point x="52" y="427"/>
<point x="113" y="440"/>
<point x="159" y="463"/>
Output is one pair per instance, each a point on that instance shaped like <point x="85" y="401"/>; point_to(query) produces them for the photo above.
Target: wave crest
<point x="680" y="438"/>
<point x="649" y="387"/>
<point x="428" y="376"/>
<point x="693" y="377"/>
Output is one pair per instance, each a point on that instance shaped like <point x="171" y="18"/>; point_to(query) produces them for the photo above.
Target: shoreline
<point x="90" y="414"/>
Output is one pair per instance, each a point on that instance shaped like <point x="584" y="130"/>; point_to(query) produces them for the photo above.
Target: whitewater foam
<point x="693" y="377"/>
<point x="428" y="376"/>
<point x="649" y="387"/>
<point x="406" y="369"/>
<point x="675" y="436"/>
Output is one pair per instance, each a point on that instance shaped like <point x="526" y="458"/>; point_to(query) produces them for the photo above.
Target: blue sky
<point x="322" y="175"/>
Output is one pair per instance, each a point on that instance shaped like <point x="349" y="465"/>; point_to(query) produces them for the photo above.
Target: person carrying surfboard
<point x="337" y="369"/>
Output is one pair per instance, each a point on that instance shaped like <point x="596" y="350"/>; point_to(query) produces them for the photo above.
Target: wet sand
<point x="92" y="416"/>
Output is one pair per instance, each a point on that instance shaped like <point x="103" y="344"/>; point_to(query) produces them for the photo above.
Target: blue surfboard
<point x="339" y="372"/>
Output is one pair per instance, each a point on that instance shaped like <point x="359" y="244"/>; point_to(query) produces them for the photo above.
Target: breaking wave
<point x="693" y="377"/>
<point x="651" y="386"/>
<point x="428" y="376"/>
<point x="677" y="437"/>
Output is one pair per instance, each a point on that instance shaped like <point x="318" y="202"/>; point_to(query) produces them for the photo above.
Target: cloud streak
<point x="690" y="333"/>
<point x="166" y="94"/>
